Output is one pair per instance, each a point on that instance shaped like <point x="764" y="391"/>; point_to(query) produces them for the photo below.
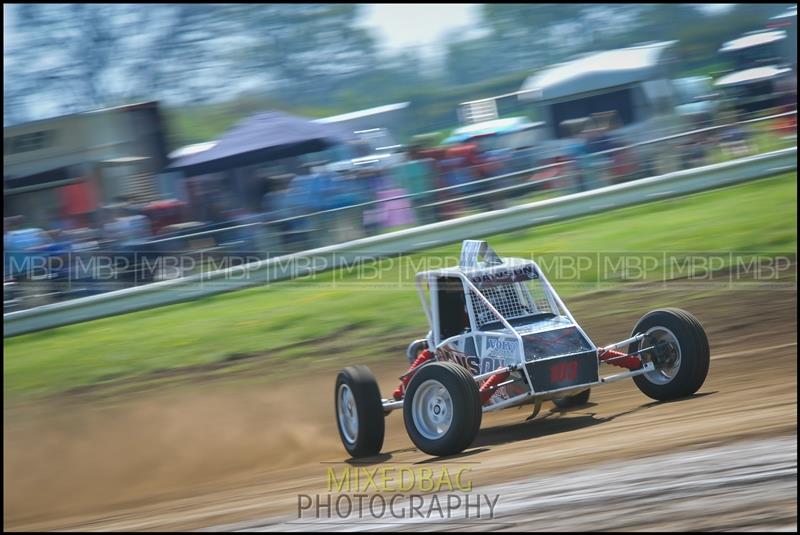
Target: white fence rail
<point x="405" y="241"/>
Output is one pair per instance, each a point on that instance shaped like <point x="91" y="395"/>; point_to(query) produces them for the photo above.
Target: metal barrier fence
<point x="259" y="272"/>
<point x="527" y="179"/>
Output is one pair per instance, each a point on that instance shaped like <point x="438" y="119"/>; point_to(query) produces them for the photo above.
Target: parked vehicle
<point x="787" y="21"/>
<point x="509" y="133"/>
<point x="762" y="74"/>
<point x="696" y="101"/>
<point x="375" y="149"/>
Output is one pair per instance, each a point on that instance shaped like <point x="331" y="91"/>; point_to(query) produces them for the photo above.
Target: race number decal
<point x="563" y="372"/>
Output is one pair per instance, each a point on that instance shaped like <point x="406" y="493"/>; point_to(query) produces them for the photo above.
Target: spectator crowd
<point x="328" y="202"/>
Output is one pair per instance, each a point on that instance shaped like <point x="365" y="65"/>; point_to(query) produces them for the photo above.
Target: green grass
<point x="338" y="314"/>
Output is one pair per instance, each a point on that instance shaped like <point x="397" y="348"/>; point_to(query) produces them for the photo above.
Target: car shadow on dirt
<point x="557" y="421"/>
<point x="369" y="461"/>
<point x="451" y="458"/>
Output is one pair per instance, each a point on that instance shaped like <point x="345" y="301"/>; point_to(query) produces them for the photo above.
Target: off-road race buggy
<point x="500" y="336"/>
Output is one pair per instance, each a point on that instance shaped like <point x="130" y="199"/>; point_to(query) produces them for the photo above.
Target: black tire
<point x="694" y="354"/>
<point x="368" y="439"/>
<point x="578" y="400"/>
<point x="466" y="404"/>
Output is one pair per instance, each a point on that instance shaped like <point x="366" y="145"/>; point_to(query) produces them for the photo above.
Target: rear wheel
<point x="442" y="409"/>
<point x="578" y="400"/>
<point x="680" y="354"/>
<point x="359" y="411"/>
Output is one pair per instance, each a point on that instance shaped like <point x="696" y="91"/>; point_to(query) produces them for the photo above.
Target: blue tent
<point x="261" y="138"/>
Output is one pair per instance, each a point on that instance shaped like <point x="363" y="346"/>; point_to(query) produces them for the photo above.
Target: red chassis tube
<point x="618" y="358"/>
<point x="489" y="387"/>
<point x="608" y="356"/>
<point x="421" y="359"/>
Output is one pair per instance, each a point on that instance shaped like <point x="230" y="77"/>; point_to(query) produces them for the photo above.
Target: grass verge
<point x="306" y="322"/>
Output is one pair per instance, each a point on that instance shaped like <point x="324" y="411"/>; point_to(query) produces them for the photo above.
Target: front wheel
<point x="680" y="354"/>
<point x="442" y="409"/>
<point x="359" y="411"/>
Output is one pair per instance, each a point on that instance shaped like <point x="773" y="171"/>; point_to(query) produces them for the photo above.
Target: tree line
<point x="317" y="58"/>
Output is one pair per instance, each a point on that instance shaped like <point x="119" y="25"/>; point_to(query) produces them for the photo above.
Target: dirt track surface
<point x="221" y="454"/>
<point x="747" y="484"/>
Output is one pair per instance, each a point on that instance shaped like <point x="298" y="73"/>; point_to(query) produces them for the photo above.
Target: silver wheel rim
<point x="348" y="414"/>
<point x="667" y="372"/>
<point x="432" y="409"/>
